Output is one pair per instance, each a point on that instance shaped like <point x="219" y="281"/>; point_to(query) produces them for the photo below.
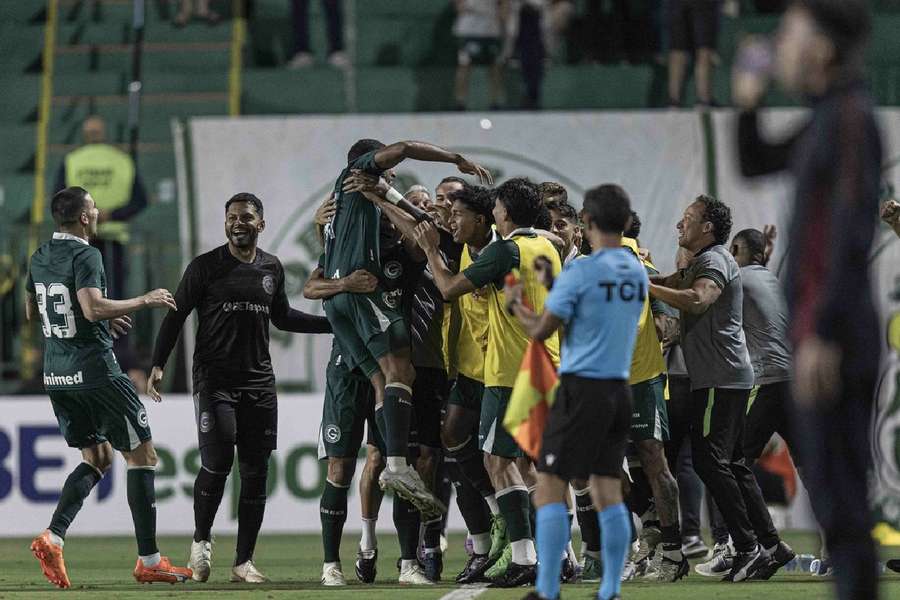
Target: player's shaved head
<point x="67" y="205"/>
<point x="361" y="147"/>
<point x="608" y="208"/>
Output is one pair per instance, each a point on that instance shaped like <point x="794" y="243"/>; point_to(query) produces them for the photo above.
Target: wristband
<point x="393" y="196"/>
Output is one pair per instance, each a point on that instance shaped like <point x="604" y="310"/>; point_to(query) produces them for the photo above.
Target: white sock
<point x="56" y="540"/>
<point x="523" y="552"/>
<point x="368" y="542"/>
<point x="570" y="552"/>
<point x="327" y="566"/>
<point x="492" y="504"/>
<point x="481" y="543"/>
<point x="151" y="561"/>
<point x="408" y="564"/>
<point x="396" y="463"/>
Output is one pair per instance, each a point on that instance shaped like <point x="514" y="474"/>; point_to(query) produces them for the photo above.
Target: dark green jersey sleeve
<point x="88" y="267"/>
<point x="321" y="263"/>
<point x="29" y="283"/>
<point x="366" y="163"/>
<point x="495" y="261"/>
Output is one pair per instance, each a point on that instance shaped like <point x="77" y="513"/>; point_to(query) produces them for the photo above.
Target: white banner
<point x="35" y="461"/>
<point x="291" y="163"/>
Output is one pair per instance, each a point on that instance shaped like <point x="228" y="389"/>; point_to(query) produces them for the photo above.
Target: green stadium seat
<point x="318" y="90"/>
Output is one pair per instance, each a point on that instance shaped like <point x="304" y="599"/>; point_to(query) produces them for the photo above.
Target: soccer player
<point x="710" y="298"/>
<point x="364" y="325"/>
<point x="564" y="223"/>
<point x="516" y="208"/>
<point x="236" y="290"/>
<point x="600" y="300"/>
<point x="835" y="159"/>
<point x="96" y="405"/>
<point x="471" y="220"/>
<point x="349" y="405"/>
<point x="649" y="432"/>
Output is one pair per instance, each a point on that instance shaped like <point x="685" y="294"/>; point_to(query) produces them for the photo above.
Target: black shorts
<point x="694" y="24"/>
<point x="248" y="418"/>
<point x="768" y="412"/>
<point x="430" y="392"/>
<point x="587" y="429"/>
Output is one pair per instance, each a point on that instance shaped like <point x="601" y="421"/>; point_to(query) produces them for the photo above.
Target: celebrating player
<point x="516" y="208"/>
<point x="364" y="325"/>
<point x="601" y="300"/>
<point x="96" y="405"/>
<point x="236" y="289"/>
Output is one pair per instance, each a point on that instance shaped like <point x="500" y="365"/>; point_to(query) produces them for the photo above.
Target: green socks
<point x="78" y="486"/>
<point x="515" y="507"/>
<point x="333" y="515"/>
<point x="142" y="501"/>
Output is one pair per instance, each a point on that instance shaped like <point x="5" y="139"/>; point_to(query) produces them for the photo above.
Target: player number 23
<point x="61" y="304"/>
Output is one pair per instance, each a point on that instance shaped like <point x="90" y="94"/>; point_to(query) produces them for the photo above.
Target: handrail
<point x="238" y="33"/>
<point x="38" y="205"/>
<point x="137" y="84"/>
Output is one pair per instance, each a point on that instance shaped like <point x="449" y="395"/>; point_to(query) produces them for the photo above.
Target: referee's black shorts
<point x="587" y="429"/>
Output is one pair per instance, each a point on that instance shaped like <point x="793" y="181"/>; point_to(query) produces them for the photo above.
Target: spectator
<point x="110" y="176"/>
<point x="693" y="25"/>
<point x="530" y="44"/>
<point x="334" y="23"/>
<point x="479" y="28"/>
<point x="560" y="14"/>
<point x="186" y="12"/>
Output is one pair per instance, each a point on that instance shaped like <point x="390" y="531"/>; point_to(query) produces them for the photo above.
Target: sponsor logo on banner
<point x="886" y="437"/>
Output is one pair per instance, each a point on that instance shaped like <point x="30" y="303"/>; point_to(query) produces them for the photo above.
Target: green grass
<point x="100" y="568"/>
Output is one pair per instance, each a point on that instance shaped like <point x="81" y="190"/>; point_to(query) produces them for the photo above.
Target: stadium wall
<point x="34" y="462"/>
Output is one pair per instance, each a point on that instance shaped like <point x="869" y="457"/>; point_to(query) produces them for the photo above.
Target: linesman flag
<point x="533" y="394"/>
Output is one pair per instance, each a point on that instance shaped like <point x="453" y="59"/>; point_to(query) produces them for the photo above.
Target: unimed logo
<point x="294" y="470"/>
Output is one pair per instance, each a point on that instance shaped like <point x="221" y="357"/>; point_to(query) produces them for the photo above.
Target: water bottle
<point x="815" y="566"/>
<point x="792" y="565"/>
<point x="804" y="562"/>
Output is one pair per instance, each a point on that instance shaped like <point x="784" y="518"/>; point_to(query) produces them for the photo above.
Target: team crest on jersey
<point x="393" y="269"/>
<point x="206" y="422"/>
<point x="268" y="284"/>
<point x="332" y="434"/>
<point x="142" y="417"/>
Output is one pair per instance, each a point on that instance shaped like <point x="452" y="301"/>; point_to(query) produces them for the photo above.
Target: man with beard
<point x="236" y="289"/>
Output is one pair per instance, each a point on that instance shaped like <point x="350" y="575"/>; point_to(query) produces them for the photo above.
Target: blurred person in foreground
<point x="835" y="158"/>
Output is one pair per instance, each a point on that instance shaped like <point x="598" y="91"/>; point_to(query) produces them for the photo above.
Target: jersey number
<point x="61" y="304"/>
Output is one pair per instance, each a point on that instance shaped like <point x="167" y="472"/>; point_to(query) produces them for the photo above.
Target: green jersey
<point x="351" y="239"/>
<point x="77" y="353"/>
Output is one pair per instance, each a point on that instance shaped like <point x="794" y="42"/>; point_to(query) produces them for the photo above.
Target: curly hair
<point x="522" y="201"/>
<point x="477" y="199"/>
<point x="719" y="215"/>
<point x="634" y="232"/>
<point x="246" y="197"/>
<point x="544" y="220"/>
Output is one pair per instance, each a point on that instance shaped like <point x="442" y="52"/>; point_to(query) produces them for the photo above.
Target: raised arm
<point x="391" y="156"/>
<point x="695" y="300"/>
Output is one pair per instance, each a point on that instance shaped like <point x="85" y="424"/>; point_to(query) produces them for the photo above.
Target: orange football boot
<point x="164" y="572"/>
<point x="51" y="558"/>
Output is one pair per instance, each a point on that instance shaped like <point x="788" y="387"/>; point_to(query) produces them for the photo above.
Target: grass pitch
<point x="100" y="568"/>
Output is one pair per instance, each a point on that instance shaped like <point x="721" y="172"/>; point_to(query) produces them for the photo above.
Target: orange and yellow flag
<point x="533" y="395"/>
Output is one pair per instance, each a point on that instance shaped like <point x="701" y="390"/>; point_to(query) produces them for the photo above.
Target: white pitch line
<point x="465" y="593"/>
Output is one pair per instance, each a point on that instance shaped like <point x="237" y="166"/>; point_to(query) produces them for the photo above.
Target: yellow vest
<point x="647" y="361"/>
<point x="507" y="341"/>
<point x="473" y="327"/>
<point x="108" y="174"/>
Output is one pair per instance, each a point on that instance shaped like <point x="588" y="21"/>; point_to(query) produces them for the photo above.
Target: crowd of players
<point x="433" y="303"/>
